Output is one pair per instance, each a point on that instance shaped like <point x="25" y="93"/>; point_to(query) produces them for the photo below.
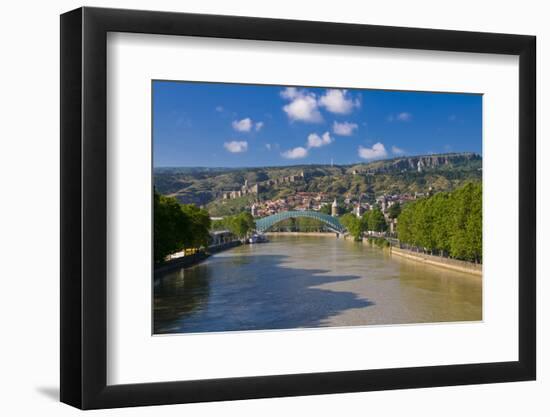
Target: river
<point x="304" y="282"/>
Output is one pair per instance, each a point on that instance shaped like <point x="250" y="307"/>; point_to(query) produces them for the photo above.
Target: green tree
<point x="423" y="225"/>
<point x="241" y="224"/>
<point x="365" y="220"/>
<point x="394" y="211"/>
<point x="171" y="226"/>
<point x="177" y="226"/>
<point x="376" y="221"/>
<point x="354" y="225"/>
<point x="441" y="227"/>
<point x="404" y="225"/>
<point x="326" y="209"/>
<point x="199" y="233"/>
<point x="465" y="240"/>
<point x="219" y="224"/>
<point x="446" y="223"/>
<point x="474" y="226"/>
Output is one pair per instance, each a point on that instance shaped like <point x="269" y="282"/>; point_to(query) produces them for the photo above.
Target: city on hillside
<point x="333" y="190"/>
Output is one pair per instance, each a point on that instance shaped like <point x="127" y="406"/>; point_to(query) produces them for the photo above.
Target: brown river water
<point x="310" y="281"/>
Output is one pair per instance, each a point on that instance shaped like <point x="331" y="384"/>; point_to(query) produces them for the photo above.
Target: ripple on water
<point x="299" y="282"/>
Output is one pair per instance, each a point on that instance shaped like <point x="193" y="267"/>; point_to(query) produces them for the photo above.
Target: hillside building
<point x="334" y="210"/>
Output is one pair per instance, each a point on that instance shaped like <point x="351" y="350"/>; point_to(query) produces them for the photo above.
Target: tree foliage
<point x="241" y="225"/>
<point x="394" y="211"/>
<point x="299" y="224"/>
<point x="372" y="220"/>
<point x="375" y="221"/>
<point x="326" y="209"/>
<point x="447" y="223"/>
<point x="355" y="225"/>
<point x="199" y="226"/>
<point x="177" y="226"/>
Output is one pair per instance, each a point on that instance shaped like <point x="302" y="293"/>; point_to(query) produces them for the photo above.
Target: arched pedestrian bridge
<point x="265" y="223"/>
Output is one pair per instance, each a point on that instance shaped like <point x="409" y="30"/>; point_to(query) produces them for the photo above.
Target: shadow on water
<point x="229" y="293"/>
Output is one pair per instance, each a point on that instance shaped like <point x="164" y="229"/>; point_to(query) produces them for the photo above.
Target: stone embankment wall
<point x="190" y="260"/>
<point x="462" y="266"/>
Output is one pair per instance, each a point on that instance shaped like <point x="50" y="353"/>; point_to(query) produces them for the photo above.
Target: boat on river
<point x="258" y="238"/>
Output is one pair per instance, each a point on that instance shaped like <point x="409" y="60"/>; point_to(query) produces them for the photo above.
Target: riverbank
<point x="324" y="234"/>
<point x="196" y="258"/>
<point x="454" y="264"/>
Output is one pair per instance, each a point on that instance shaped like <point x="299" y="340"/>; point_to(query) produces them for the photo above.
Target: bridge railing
<point x="269" y="221"/>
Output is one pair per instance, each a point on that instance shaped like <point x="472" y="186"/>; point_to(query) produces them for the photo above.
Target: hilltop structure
<point x="260" y="186"/>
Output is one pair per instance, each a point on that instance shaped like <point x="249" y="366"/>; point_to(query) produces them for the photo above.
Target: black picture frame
<point x="84" y="207"/>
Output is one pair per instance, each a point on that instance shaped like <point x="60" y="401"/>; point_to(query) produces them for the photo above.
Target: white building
<point x="358" y="210"/>
<point x="334" y="211"/>
<point x="254" y="210"/>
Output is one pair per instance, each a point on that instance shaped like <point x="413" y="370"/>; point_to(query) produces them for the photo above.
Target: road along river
<point x="310" y="281"/>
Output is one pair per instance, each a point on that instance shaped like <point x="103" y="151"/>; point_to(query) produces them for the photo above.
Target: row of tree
<point x="178" y="226"/>
<point x="372" y="220"/>
<point x="241" y="225"/>
<point x="300" y="224"/>
<point x="448" y="223"/>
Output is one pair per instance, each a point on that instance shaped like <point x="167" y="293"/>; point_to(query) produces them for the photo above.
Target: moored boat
<point x="257" y="238"/>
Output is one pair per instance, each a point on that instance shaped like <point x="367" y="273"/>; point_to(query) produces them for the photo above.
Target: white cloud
<point x="236" y="146"/>
<point x="243" y="125"/>
<point x="344" y="129"/>
<point x="219" y="109"/>
<point x="289" y="93"/>
<point x="268" y="146"/>
<point x="397" y="151"/>
<point x="295" y="153"/>
<point x="258" y="126"/>
<point x="400" y="117"/>
<point x="316" y="141"/>
<point x="302" y="107"/>
<point x="404" y="117"/>
<point x="377" y="151"/>
<point x="338" y="101"/>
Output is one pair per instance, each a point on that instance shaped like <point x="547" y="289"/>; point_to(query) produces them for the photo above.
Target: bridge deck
<point x="266" y="223"/>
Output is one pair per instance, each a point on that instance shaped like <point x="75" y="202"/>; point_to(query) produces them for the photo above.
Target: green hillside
<point x="205" y="186"/>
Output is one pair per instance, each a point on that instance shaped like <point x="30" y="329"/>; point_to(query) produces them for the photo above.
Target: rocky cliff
<point x="419" y="163"/>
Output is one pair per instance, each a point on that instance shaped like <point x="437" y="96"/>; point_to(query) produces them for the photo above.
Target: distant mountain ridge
<point x="401" y="162"/>
<point x="404" y="174"/>
<point x="419" y="161"/>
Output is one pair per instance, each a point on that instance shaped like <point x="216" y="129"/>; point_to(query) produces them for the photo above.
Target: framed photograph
<point x="258" y="208"/>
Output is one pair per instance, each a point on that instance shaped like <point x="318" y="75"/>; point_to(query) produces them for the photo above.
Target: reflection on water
<point x="297" y="282"/>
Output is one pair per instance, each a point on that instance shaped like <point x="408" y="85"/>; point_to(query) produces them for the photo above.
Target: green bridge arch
<point x="265" y="223"/>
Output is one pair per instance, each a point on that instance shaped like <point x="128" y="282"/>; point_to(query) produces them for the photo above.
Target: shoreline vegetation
<point x="446" y="224"/>
<point x="193" y="259"/>
<point x="185" y="230"/>
<point x="443" y="229"/>
<point x="382" y="243"/>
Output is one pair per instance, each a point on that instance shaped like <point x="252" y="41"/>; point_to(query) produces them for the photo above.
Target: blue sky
<point x="236" y="125"/>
